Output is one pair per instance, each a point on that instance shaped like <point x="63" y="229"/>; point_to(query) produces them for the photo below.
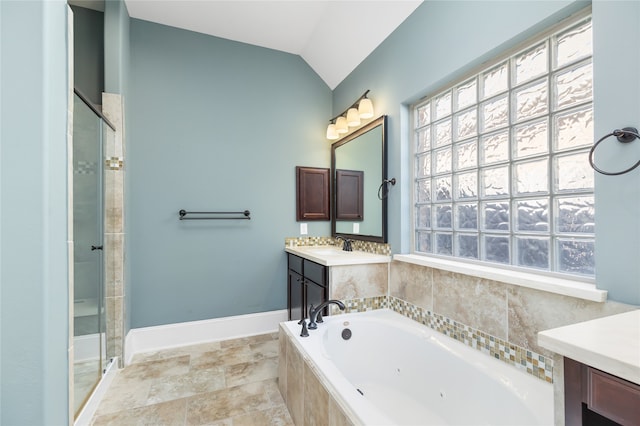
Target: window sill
<point x="577" y="289"/>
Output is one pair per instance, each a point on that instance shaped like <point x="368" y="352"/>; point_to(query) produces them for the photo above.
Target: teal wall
<point x="616" y="27"/>
<point x="33" y="214"/>
<point x="441" y="41"/>
<point x="116" y="47"/>
<point x="215" y="125"/>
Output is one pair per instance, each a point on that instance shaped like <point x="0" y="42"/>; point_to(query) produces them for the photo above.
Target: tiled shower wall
<point x="114" y="236"/>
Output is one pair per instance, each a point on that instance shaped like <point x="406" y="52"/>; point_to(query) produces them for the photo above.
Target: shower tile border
<point x="114" y="163"/>
<point x="523" y="359"/>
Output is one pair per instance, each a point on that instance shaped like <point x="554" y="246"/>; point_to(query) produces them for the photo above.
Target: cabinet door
<point x="316" y="294"/>
<point x="312" y="193"/>
<point x="296" y="295"/>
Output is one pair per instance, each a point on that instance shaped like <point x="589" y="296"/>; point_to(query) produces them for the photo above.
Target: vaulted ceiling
<point x="333" y="37"/>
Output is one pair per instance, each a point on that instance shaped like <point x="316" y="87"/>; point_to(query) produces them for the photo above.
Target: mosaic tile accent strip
<point x="114" y="163"/>
<point x="365" y="246"/>
<point x="528" y="361"/>
<point x="307" y="241"/>
<point x="523" y="359"/>
<point x="85" y="167"/>
<point x="361" y="305"/>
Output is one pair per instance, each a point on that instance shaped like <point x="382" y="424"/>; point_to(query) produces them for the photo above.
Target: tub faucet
<point x="346" y="243"/>
<point x="315" y="314"/>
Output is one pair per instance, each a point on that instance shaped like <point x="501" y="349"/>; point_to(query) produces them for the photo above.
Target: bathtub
<point x="385" y="369"/>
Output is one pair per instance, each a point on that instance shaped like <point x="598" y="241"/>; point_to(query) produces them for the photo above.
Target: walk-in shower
<point x="90" y="129"/>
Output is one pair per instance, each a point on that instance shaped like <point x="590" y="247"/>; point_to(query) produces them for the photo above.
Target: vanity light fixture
<point x="341" y="125"/>
<point x="351" y="117"/>
<point x="332" y="132"/>
<point x="365" y="108"/>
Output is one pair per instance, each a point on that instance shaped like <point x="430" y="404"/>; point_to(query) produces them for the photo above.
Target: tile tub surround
<point x="222" y="383"/>
<point x="523" y="359"/>
<point x="303" y="389"/>
<point x="506" y="311"/>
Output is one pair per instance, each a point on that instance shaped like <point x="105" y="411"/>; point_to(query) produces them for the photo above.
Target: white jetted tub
<point x="386" y="369"/>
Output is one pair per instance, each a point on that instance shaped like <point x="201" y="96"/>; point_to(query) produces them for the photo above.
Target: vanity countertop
<point x="333" y="256"/>
<point x="610" y="344"/>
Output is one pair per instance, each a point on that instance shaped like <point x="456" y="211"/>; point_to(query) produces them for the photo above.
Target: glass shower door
<point x="88" y="306"/>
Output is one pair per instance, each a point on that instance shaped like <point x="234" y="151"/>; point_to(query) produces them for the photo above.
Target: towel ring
<point x="626" y="135"/>
<point x="383" y="189"/>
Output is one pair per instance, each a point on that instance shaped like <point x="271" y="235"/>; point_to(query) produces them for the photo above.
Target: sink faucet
<point x="346" y="243"/>
<point x="315" y="314"/>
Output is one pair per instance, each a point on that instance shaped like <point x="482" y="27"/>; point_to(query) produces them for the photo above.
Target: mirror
<point x="358" y="167"/>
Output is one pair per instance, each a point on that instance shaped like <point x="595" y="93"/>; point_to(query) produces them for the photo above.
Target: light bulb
<point x="332" y="134"/>
<point x="365" y="108"/>
<point x="353" y="117"/>
<point x="341" y="125"/>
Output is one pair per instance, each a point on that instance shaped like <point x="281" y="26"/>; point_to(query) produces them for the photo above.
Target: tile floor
<point x="230" y="383"/>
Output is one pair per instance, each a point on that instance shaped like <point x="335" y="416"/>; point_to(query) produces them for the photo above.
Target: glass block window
<point x="500" y="160"/>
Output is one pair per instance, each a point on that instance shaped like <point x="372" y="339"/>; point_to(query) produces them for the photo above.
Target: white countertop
<point x="610" y="344"/>
<point x="333" y="256"/>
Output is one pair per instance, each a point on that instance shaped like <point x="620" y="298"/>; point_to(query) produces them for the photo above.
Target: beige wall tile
<point x="476" y="302"/>
<point x="357" y="281"/>
<point x="531" y="311"/>
<point x="412" y="283"/>
<point x="337" y="417"/>
<point x="316" y="400"/>
<point x="282" y="363"/>
<point x="295" y="384"/>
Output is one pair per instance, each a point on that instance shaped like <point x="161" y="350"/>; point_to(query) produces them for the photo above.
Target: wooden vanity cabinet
<point x="593" y="397"/>
<point x="307" y="285"/>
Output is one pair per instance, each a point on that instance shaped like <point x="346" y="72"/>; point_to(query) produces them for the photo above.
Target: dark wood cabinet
<point x="312" y="194"/>
<point x="350" y="195"/>
<point x="593" y="397"/>
<point x="307" y="285"/>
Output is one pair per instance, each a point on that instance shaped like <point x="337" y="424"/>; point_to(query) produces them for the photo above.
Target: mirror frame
<point x="380" y="121"/>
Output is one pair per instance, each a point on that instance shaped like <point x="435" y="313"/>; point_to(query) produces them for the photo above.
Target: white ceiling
<point x="333" y="37"/>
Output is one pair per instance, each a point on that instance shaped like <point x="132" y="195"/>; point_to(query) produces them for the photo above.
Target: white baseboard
<point x="168" y="336"/>
<point x="86" y="414"/>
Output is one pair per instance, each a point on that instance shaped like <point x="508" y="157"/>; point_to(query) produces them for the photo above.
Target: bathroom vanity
<point x="601" y="369"/>
<point x="318" y="273"/>
<point x="306" y="285"/>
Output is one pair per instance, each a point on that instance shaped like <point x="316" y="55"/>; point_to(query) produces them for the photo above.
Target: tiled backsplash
<point x="365" y="246"/>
